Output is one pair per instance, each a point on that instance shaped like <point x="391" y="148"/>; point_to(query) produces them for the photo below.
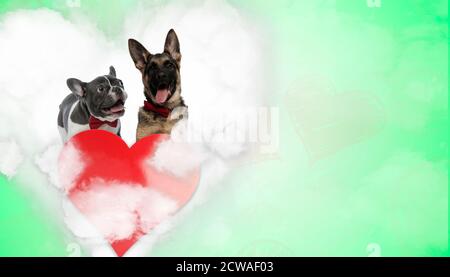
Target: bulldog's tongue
<point x="117" y="108"/>
<point x="161" y="95"/>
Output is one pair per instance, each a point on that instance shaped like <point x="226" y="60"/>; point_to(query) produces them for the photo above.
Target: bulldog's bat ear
<point x="112" y="71"/>
<point x="138" y="53"/>
<point x="76" y="86"/>
<point x="172" y="45"/>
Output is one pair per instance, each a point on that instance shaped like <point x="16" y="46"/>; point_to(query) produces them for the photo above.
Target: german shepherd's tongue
<point x="161" y="95"/>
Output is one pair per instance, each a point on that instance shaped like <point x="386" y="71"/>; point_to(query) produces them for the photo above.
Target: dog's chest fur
<point x="151" y="123"/>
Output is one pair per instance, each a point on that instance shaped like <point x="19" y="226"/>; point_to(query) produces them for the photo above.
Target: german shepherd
<point x="164" y="105"/>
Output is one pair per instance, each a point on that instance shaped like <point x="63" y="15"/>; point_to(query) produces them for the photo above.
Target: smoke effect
<point x="11" y="157"/>
<point x="40" y="49"/>
<point x="119" y="210"/>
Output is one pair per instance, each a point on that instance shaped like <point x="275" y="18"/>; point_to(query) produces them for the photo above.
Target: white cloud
<point x="177" y="155"/>
<point x="72" y="166"/>
<point x="119" y="210"/>
<point x="10" y="157"/>
<point x="47" y="162"/>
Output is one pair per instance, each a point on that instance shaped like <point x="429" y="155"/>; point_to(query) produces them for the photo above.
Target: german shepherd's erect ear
<point x="139" y="54"/>
<point x="172" y="46"/>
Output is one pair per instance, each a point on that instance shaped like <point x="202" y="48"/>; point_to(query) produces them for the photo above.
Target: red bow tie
<point x="164" y="112"/>
<point x="95" y="123"/>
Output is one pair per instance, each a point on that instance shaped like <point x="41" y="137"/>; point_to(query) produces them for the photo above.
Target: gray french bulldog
<point x="94" y="105"/>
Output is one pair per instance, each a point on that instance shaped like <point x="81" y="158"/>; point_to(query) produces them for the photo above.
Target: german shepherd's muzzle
<point x="164" y="105"/>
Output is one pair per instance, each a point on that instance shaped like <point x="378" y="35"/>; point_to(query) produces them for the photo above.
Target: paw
<point x="178" y="113"/>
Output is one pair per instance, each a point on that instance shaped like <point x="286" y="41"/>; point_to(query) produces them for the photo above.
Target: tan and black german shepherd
<point x="164" y="105"/>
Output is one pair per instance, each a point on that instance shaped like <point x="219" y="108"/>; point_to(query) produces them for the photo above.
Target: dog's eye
<point x="100" y="89"/>
<point x="152" y="66"/>
<point x="169" y="65"/>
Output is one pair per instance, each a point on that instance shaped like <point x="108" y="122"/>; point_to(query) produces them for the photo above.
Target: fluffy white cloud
<point x="118" y="210"/>
<point x="10" y="157"/>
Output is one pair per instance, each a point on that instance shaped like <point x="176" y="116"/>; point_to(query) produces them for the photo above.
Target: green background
<point x="367" y="177"/>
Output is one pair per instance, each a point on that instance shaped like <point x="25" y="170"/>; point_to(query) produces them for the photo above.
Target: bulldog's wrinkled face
<point x="104" y="96"/>
<point x="160" y="72"/>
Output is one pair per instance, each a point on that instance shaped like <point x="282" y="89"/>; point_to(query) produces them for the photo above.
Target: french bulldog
<point x="94" y="105"/>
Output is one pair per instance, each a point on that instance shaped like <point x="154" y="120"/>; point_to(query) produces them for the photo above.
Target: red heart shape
<point x="116" y="187"/>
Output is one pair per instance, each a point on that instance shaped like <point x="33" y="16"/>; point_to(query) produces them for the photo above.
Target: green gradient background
<point x="387" y="187"/>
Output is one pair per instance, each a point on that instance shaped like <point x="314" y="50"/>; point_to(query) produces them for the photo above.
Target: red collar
<point x="95" y="123"/>
<point x="162" y="111"/>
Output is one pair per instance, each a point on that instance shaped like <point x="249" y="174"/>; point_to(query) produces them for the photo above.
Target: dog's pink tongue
<point x="117" y="108"/>
<point x="161" y="95"/>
